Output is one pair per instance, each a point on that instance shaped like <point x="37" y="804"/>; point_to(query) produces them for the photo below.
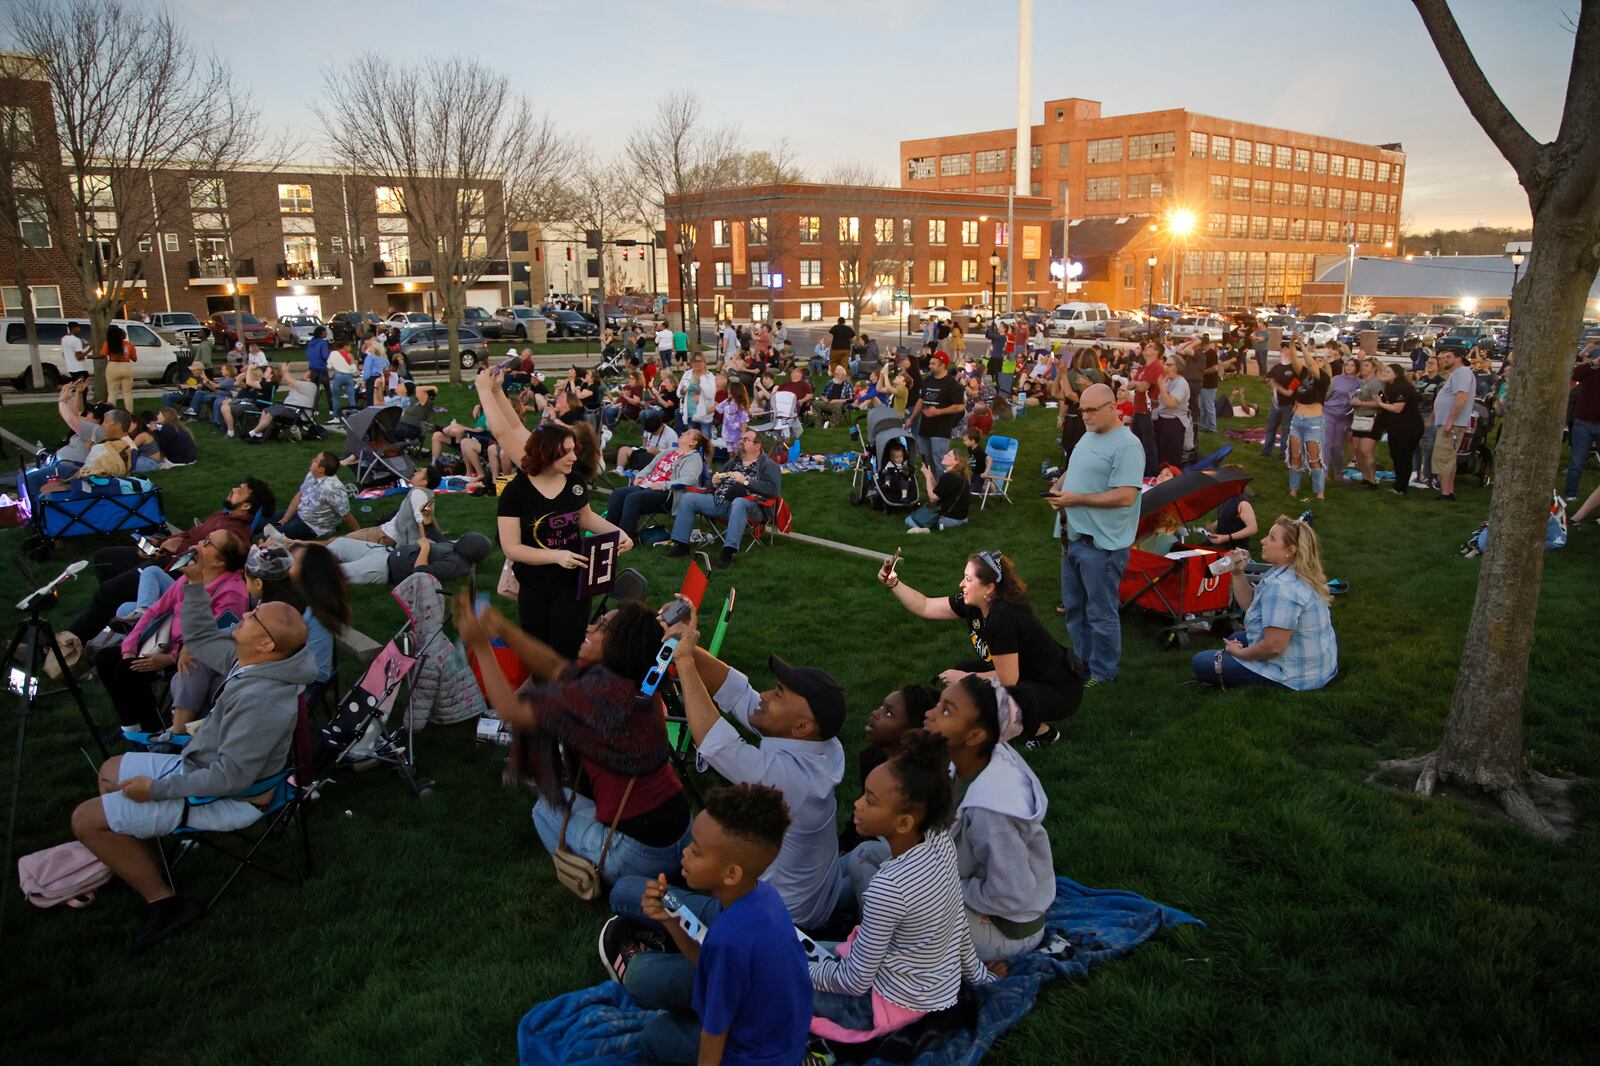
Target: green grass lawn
<point x="1344" y="923"/>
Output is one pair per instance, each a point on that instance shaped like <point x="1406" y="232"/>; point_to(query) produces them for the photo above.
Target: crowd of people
<point x="944" y="873"/>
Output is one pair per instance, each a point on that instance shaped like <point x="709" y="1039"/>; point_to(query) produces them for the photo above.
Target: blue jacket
<point x="317" y="353"/>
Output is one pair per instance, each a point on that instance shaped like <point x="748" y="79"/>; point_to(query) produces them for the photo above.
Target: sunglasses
<point x="991" y="559"/>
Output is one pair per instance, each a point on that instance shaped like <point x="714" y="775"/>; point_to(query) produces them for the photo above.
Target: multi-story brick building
<point x="802" y="252"/>
<point x="301" y="239"/>
<point x="1253" y="205"/>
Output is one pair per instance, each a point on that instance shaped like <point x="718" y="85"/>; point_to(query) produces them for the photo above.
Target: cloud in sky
<point x="847" y="80"/>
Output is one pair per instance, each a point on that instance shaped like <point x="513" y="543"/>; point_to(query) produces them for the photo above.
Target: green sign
<point x="901" y="296"/>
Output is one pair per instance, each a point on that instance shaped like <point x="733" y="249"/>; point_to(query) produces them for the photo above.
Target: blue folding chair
<point x="289" y="788"/>
<point x="1002" y="462"/>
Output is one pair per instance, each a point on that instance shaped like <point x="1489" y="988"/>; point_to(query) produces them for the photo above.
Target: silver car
<point x="296" y="329"/>
<point x="429" y="347"/>
<point x="518" y="322"/>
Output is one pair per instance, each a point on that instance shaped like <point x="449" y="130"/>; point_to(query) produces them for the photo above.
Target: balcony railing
<point x="219" y="268"/>
<point x="402" y="268"/>
<point x="497" y="267"/>
<point x="309" y="271"/>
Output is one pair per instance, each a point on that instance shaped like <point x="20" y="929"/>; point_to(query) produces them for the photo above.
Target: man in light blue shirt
<point x="1099" y="500"/>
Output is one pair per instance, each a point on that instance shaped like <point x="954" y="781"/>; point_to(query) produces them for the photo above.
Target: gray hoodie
<point x="252" y="722"/>
<point x="1002" y="850"/>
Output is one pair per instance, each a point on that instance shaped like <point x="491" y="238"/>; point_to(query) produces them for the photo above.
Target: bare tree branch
<point x="1508" y="135"/>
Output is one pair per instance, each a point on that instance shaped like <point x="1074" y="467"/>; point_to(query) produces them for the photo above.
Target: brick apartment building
<point x="1264" y="202"/>
<point x="302" y="240"/>
<point x="803" y="252"/>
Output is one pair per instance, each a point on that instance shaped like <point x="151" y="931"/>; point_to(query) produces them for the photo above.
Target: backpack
<point x="67" y="873"/>
<point x="1555" y="533"/>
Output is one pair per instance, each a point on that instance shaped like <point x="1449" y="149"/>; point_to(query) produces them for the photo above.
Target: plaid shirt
<point x="1285" y="601"/>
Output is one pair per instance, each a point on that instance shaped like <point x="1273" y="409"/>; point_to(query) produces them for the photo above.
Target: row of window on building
<point x="811" y="273"/>
<point x="1241" y="276"/>
<point x="1279" y="228"/>
<point x="1141" y="146"/>
<point x="849" y="229"/>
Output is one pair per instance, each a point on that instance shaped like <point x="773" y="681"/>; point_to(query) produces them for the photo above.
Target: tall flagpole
<point x="1024" y="141"/>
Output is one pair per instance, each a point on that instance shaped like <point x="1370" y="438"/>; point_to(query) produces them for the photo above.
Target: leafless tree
<point x="22" y="188"/>
<point x="875" y="237"/>
<point x="470" y="158"/>
<point x="1482" y="750"/>
<point x="679" y="165"/>
<point x="131" y="97"/>
<point x="598" y="202"/>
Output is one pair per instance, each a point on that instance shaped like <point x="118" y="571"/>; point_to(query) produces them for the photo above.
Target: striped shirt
<point x="912" y="945"/>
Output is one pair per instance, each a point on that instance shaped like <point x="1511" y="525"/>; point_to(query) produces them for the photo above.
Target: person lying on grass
<point x="750" y="997"/>
<point x="627" y="813"/>
<point x="911" y="951"/>
<point x="1288" y="639"/>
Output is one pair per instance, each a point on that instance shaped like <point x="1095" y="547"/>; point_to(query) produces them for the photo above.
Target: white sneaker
<point x="274" y="536"/>
<point x="919" y="529"/>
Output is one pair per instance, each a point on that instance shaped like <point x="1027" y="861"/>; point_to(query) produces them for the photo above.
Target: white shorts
<point x="145" y="821"/>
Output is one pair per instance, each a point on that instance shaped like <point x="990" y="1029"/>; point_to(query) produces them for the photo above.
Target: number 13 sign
<point x="600" y="575"/>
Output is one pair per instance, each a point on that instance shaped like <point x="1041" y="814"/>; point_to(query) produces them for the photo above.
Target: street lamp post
<point x="1517" y="258"/>
<point x="1150" y="296"/>
<point x="994" y="287"/>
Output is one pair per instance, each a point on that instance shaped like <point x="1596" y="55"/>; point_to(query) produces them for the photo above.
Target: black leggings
<point x="1402" y="452"/>
<point x="1039" y="702"/>
<point x="551" y="611"/>
<point x="132" y="692"/>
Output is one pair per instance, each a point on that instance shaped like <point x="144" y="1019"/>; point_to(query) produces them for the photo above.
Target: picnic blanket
<point x="453" y="483"/>
<point x="804" y="464"/>
<point x="600" y="1026"/>
<point x="1250" y="436"/>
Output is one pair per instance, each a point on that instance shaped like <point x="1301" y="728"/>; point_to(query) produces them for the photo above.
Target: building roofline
<point x="799" y="189"/>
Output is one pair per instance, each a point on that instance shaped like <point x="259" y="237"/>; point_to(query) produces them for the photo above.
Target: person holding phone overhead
<point x="542" y="517"/>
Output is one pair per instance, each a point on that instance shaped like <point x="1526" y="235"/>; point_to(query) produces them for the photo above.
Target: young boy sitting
<point x="750" y="1000"/>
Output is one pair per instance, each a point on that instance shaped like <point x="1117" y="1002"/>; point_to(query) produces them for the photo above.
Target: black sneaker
<point x="1042" y="740"/>
<point x="621" y="940"/>
<point x="725" y="558"/>
<point x="165" y="918"/>
<point x="679" y="550"/>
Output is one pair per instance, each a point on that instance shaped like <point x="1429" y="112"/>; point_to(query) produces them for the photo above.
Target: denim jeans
<point x="848" y="1012"/>
<point x="664" y="983"/>
<point x="1144" y="428"/>
<point x="343" y="388"/>
<point x="628" y="890"/>
<point x="1235" y="674"/>
<point x="738" y="513"/>
<point x="586" y="836"/>
<point x="631" y="503"/>
<point x="1584" y="436"/>
<point x="1334" y="430"/>
<point x="1425" y="453"/>
<point x="1277" y="419"/>
<point x="1308" y="430"/>
<point x="1090" y="578"/>
<point x="1208" y="411"/>
<point x="928" y="518"/>
<point x="932" y="449"/>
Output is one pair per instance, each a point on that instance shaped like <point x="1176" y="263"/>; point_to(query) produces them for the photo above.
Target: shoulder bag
<point x="580" y="876"/>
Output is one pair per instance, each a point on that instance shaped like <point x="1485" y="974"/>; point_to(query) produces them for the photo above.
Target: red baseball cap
<point x="943" y="357"/>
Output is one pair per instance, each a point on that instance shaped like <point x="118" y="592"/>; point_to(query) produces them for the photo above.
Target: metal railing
<point x="309" y="271"/>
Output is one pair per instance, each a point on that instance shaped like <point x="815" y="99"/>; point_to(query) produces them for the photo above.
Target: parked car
<point x="1438" y="325"/>
<point x="1351" y="332"/>
<point x="429" y="347"/>
<point x="159" y="359"/>
<point x="1078" y="319"/>
<point x="1590" y="335"/>
<point x="572" y="324"/>
<point x="227" y="326"/>
<point x="342" y="326"/>
<point x="1395" y="334"/>
<point x="1466" y="337"/>
<point x="180" y="328"/>
<point x="518" y="322"/>
<point x="1206" y="327"/>
<point x="1317" y="334"/>
<point x="481" y="320"/>
<point x="404" y="320"/>
<point x="295" y="329"/>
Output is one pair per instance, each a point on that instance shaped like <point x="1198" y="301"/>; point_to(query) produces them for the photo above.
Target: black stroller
<point x="381" y="456"/>
<point x="886" y="482"/>
<point x="1476" y="456"/>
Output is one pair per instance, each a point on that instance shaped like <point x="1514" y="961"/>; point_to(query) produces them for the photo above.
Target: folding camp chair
<point x="1002" y="463"/>
<point x="289" y="791"/>
<point x="785" y="420"/>
<point x="681" y="742"/>
<point x="779" y="519"/>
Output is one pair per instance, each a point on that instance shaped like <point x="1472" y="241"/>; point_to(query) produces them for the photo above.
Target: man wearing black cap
<point x="800" y="755"/>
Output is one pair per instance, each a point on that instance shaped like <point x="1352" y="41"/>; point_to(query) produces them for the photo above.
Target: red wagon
<point x="1180" y="585"/>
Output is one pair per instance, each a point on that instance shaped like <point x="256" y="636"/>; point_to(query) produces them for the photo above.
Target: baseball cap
<point x="268" y="564"/>
<point x="943" y="357"/>
<point x="824" y="695"/>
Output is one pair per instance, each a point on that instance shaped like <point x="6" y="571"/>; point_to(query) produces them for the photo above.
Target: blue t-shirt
<point x="374" y="366"/>
<point x="1102" y="461"/>
<point x="317" y="353"/>
<point x="753" y="983"/>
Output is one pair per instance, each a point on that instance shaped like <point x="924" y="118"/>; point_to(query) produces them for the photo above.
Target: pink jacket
<point x="227" y="594"/>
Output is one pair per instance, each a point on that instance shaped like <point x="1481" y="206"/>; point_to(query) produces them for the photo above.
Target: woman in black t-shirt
<point x="542" y="517"/>
<point x="1306" y="432"/>
<point x="950" y="498"/>
<point x="1010" y="642"/>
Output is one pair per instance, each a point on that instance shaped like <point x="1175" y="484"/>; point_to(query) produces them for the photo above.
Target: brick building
<point x="803" y="252"/>
<point x="1262" y="202"/>
<point x="293" y="240"/>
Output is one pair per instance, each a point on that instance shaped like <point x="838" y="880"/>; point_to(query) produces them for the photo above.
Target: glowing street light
<point x="1180" y="222"/>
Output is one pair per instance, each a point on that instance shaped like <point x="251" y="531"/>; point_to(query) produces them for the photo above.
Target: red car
<point x="255" y="331"/>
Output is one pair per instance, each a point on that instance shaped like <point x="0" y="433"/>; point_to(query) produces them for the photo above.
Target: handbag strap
<point x="561" y="842"/>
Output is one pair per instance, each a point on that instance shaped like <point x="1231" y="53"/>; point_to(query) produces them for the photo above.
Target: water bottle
<point x="1305" y="516"/>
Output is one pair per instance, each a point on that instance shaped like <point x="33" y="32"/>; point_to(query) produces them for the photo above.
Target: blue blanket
<point x="600" y="1026"/>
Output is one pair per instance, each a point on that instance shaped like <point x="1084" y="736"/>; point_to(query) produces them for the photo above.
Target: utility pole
<point x="1024" y="142"/>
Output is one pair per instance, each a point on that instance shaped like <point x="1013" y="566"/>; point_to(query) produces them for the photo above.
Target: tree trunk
<point x="30" y="323"/>
<point x="99" y="319"/>
<point x="454" y="299"/>
<point x="1482" y="745"/>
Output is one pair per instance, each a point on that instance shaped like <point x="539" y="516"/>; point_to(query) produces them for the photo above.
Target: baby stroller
<point x="1476" y="456"/>
<point x="358" y="735"/>
<point x="1180" y="584"/>
<point x="296" y="423"/>
<point x="876" y="480"/>
<point x="380" y="455"/>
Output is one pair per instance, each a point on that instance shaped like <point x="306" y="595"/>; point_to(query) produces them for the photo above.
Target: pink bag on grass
<point x="67" y="873"/>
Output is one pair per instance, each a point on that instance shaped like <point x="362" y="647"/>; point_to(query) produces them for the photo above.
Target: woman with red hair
<point x="543" y="515"/>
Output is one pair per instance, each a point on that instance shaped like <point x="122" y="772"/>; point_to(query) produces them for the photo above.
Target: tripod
<point x="38" y="637"/>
